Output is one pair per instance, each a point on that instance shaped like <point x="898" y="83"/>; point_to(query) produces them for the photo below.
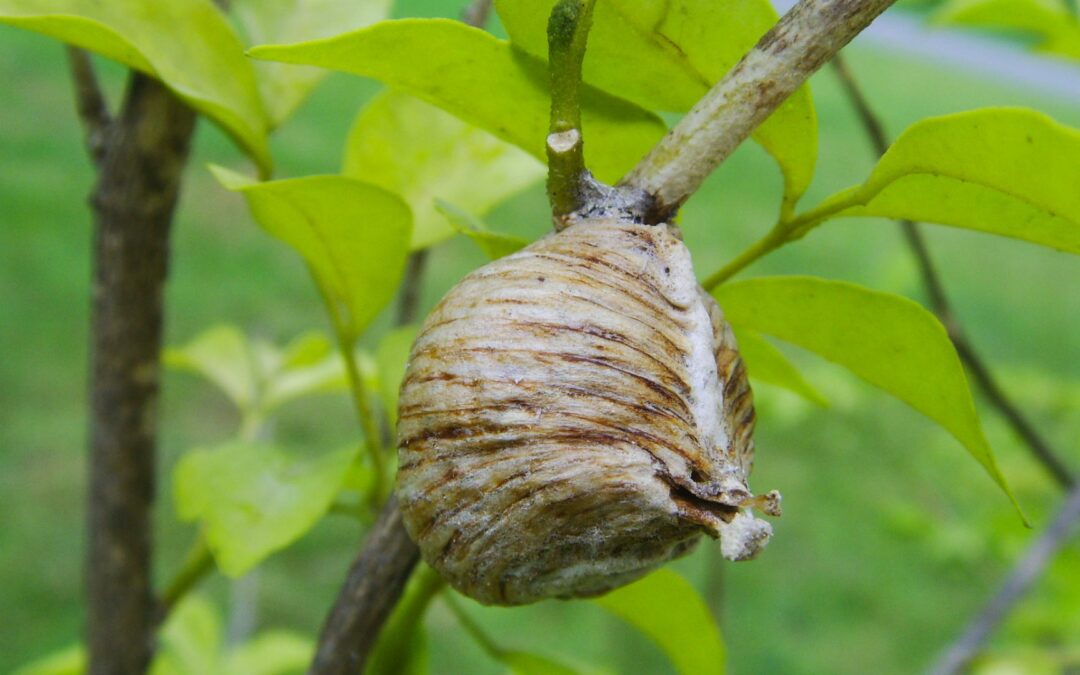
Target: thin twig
<point x="568" y="34"/>
<point x="133" y="203"/>
<point x="409" y="302"/>
<point x="804" y="39"/>
<point x="89" y="103"/>
<point x="939" y="300"/>
<point x="1026" y="572"/>
<point x="476" y="14"/>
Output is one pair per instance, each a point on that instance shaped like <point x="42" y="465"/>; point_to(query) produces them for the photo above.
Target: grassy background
<point x="891" y="536"/>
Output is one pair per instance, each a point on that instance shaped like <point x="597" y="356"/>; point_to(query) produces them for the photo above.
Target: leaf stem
<point x="568" y="34"/>
<point x="346" y="339"/>
<point x="198" y="562"/>
<point x="784" y="232"/>
<point x="391" y="654"/>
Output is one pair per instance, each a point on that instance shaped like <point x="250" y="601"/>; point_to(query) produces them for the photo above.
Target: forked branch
<point x="800" y="43"/>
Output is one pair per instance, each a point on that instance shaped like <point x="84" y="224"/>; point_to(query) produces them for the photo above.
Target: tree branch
<point x="1026" y="572"/>
<point x="939" y="300"/>
<point x="89" y="103"/>
<point x="800" y="43"/>
<point x="133" y="202"/>
<point x="372" y="588"/>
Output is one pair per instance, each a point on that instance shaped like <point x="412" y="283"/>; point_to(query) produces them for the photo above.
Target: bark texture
<point x="800" y="43"/>
<point x="373" y="586"/>
<point x="145" y="149"/>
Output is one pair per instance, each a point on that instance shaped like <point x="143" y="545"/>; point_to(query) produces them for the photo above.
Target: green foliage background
<point x="890" y="538"/>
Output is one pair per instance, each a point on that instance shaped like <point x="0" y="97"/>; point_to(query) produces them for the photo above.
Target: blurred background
<point x="892" y="536"/>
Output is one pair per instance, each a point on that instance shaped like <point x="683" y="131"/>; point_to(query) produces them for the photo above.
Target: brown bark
<point x="140" y="166"/>
<point x="373" y="586"/>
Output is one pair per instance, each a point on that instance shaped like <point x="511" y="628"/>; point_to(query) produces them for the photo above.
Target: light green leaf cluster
<point x="667" y="609"/>
<point x="424" y="154"/>
<point x="494" y="244"/>
<point x="889" y="341"/>
<point x="1058" y="31"/>
<point x="688" y="45"/>
<point x="354" y="237"/>
<point x="187" y="44"/>
<point x="482" y="80"/>
<point x="257" y="376"/>
<point x="284" y="87"/>
<point x="254" y="499"/>
<point x="191" y="644"/>
<point x="1007" y="171"/>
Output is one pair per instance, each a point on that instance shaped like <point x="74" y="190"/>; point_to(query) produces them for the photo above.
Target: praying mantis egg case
<point x="575" y="415"/>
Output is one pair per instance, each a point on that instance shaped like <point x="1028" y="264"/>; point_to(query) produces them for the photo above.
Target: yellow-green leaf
<point x="416" y="150"/>
<point x="1006" y="171"/>
<point x="284" y="87"/>
<point x="187" y="44"/>
<point x="1050" y="21"/>
<point x="667" y="609"/>
<point x="766" y="363"/>
<point x="223" y="356"/>
<point x="666" y="54"/>
<point x="494" y="244"/>
<point x="889" y="341"/>
<point x="353" y="235"/>
<point x="255" y="499"/>
<point x="482" y="80"/>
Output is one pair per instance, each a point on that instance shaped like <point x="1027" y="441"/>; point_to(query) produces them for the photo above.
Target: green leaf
<point x="307" y="350"/>
<point x="325" y="377"/>
<point x="190" y="640"/>
<point x="284" y="87"/>
<point x="223" y="356"/>
<point x="687" y="45"/>
<point x="70" y="660"/>
<point x="270" y="653"/>
<point x="392" y="358"/>
<point x="494" y="244"/>
<point x="480" y="79"/>
<point x="187" y="44"/>
<point x="667" y="609"/>
<point x="1049" y="20"/>
<point x="1006" y="171"/>
<point x="255" y="499"/>
<point x="354" y="236"/>
<point x="889" y="341"/>
<point x="766" y="363"/>
<point x="524" y="663"/>
<point x="423" y="154"/>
